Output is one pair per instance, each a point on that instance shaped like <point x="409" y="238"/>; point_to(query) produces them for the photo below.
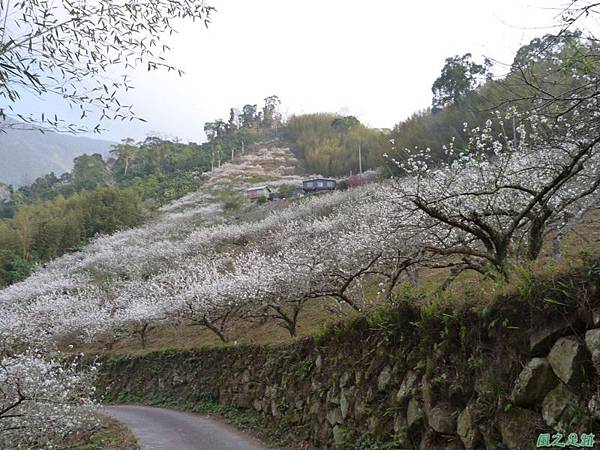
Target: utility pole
<point x="360" y="162"/>
<point x="232" y="153"/>
<point x="242" y="147"/>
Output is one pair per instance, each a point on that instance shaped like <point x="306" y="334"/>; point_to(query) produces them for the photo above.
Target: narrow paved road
<point x="165" y="429"/>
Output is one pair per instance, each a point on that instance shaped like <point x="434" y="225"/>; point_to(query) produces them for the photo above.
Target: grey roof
<point x="257" y="188"/>
<point x="319" y="179"/>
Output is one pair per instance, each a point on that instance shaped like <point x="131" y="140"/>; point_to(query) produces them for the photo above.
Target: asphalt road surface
<point x="165" y="429"/>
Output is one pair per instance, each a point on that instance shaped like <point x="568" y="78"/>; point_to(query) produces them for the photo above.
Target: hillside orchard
<point x="486" y="210"/>
<point x="521" y="178"/>
<point x="490" y="206"/>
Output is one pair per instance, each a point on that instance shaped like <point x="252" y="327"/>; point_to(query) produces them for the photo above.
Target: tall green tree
<point x="89" y="172"/>
<point x="460" y="76"/>
<point x="124" y="153"/>
<point x="545" y="47"/>
<point x="249" y="116"/>
<point x="270" y="113"/>
<point x="234" y="120"/>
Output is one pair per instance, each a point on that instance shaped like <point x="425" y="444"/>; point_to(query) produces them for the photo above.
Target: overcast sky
<point x="376" y="59"/>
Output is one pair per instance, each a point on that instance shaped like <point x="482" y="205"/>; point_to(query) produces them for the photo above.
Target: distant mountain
<point x="28" y="154"/>
<point x="5" y="195"/>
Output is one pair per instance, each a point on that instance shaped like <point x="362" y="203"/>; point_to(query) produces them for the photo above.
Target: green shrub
<point x="13" y="268"/>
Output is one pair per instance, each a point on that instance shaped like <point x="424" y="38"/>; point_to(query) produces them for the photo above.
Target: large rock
<point x="439" y="413"/>
<point x="246" y="376"/>
<point x="414" y="413"/>
<point x="244" y="400"/>
<point x="275" y="408"/>
<point x="373" y="423"/>
<point x="334" y="416"/>
<point x="361" y="409"/>
<point x="519" y="428"/>
<point x="433" y="441"/>
<point x="567" y="359"/>
<point x="491" y="438"/>
<point x="345" y="397"/>
<point x="324" y="435"/>
<point x="345" y="379"/>
<point x="592" y="341"/>
<point x="319" y="363"/>
<point x="466" y="429"/>
<point x="401" y="430"/>
<point x="541" y="340"/>
<point x="313" y="405"/>
<point x="384" y="378"/>
<point x="5" y="195"/>
<point x="339" y="436"/>
<point x="441" y="418"/>
<point x="594" y="406"/>
<point x="533" y="383"/>
<point x="332" y="397"/>
<point x="560" y="407"/>
<point x="408" y="386"/>
<point x="400" y="423"/>
<point x="427" y="393"/>
<point x="379" y="425"/>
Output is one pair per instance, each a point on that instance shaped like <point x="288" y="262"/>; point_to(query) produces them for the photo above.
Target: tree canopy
<point x="61" y="49"/>
<point x="460" y="75"/>
<point x="328" y="143"/>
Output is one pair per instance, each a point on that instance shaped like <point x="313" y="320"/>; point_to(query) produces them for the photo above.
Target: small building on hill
<point x="258" y="192"/>
<point x="318" y="184"/>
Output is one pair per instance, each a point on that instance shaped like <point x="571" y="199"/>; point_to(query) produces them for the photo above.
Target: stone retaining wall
<point x="449" y="381"/>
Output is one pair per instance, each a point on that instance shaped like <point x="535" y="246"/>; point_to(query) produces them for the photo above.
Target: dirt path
<point x="165" y="429"/>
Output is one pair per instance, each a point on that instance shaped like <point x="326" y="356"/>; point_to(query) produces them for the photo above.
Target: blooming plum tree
<point x="496" y="200"/>
<point x="42" y="399"/>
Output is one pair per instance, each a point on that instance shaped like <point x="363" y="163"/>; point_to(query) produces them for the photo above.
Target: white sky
<point x="374" y="59"/>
